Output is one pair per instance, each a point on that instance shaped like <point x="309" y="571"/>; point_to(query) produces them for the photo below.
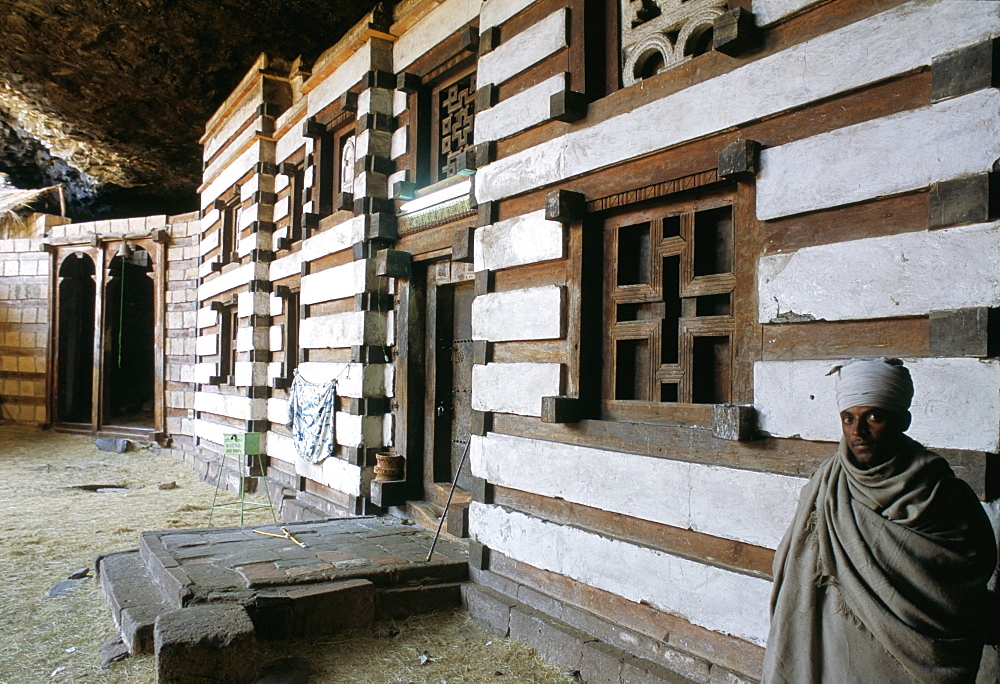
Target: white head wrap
<point x="883" y="383"/>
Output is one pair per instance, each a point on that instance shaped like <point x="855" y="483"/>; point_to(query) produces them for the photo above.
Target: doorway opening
<point x="130" y="321"/>
<point x="75" y="351"/>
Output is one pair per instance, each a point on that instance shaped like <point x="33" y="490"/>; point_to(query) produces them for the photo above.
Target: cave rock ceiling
<point x="109" y="97"/>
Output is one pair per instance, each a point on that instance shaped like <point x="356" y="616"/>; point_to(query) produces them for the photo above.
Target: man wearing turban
<point x="881" y="576"/>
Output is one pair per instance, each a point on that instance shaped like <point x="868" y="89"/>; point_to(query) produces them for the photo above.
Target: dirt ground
<point x="49" y="528"/>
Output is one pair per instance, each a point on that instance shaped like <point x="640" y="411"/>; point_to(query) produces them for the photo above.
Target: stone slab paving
<point x="197" y="566"/>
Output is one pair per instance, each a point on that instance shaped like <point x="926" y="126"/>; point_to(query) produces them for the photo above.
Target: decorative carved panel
<point x="457" y="109"/>
<point x="660" y="34"/>
<point x="347" y="165"/>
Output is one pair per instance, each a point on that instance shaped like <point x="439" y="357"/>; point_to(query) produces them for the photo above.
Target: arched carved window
<point x="660" y="34"/>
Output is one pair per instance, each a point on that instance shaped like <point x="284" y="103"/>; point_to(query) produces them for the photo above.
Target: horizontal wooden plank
<point x="902" y="337"/>
<point x="875" y="218"/>
<point x="542" y="351"/>
<point x="530" y="275"/>
<point x="732" y="653"/>
<point x="724" y="553"/>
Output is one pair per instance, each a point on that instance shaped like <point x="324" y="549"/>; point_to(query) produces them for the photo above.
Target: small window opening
<point x="713" y="241"/>
<point x="633" y="254"/>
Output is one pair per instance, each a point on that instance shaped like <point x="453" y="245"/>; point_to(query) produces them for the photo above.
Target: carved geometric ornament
<point x="660" y="34"/>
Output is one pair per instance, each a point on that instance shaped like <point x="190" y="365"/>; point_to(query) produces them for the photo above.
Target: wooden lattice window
<point x="669" y="287"/>
<point x="456" y="110"/>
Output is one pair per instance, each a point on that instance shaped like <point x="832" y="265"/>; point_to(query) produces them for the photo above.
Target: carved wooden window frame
<point x="327" y="192"/>
<point x="228" y="331"/>
<point x="292" y="353"/>
<point x="296" y="230"/>
<point x="645" y="302"/>
<point x="426" y="143"/>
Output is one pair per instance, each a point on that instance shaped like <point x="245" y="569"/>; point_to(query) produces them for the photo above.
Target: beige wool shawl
<point x="881" y="576"/>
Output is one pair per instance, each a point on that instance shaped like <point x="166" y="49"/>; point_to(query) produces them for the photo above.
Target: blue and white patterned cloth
<point x="311" y="416"/>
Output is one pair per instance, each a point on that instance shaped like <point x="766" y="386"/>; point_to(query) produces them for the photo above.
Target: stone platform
<point x="348" y="573"/>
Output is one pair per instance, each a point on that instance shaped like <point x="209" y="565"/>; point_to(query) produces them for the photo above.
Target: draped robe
<point x="881" y="576"/>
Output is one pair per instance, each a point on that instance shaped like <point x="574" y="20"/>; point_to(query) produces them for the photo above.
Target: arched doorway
<point x="75" y="353"/>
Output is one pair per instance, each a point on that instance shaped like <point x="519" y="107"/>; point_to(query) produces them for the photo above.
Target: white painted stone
<point x="534" y="313"/>
<point x="229" y="405"/>
<point x="525" y="239"/>
<point x="343" y="77"/>
<point x="246" y="110"/>
<point x="249" y="374"/>
<point x="707" y="596"/>
<point x="400" y="102"/>
<point x="207" y="317"/>
<point x="496" y="12"/>
<point x="232" y="279"/>
<point x="518" y="113"/>
<point x="277" y="337"/>
<point x="956" y="403"/>
<point x="229" y="171"/>
<point x="397" y="177"/>
<point x="338" y="282"/>
<point x="208" y="243"/>
<point x="249" y="187"/>
<point x="331" y="472"/>
<point x="525" y="49"/>
<point x="204" y="372"/>
<point x="897" y="153"/>
<point x="742" y="505"/>
<point x="908" y="37"/>
<point x="447" y="18"/>
<point x="289" y="144"/>
<point x="354" y="431"/>
<point x="286" y="266"/>
<point x="213" y="432"/>
<point x="206" y="345"/>
<point x="277" y="305"/>
<point x="768" y="12"/>
<point x="277" y="410"/>
<point x="514" y="387"/>
<point x="335" y="239"/>
<point x="342" y="330"/>
<point x="896" y="275"/>
<point x="282" y="208"/>
<point x="353" y="379"/>
<point x="249" y="303"/>
<point x="400" y="142"/>
<point x="280" y="181"/>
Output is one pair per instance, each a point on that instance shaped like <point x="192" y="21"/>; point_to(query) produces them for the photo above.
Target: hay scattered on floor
<point x="48" y="530"/>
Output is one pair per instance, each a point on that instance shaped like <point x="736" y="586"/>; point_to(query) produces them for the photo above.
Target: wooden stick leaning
<point x="447" y="503"/>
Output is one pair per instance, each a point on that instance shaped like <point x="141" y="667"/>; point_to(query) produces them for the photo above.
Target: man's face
<point x="872" y="434"/>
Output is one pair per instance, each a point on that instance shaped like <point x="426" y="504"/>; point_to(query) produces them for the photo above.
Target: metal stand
<point x="245" y="465"/>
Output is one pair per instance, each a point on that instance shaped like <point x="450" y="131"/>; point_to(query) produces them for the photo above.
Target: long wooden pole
<point x="451" y="493"/>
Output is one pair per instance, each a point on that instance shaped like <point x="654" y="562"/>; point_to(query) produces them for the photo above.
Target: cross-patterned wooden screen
<point x="668" y="292"/>
<point x="456" y="111"/>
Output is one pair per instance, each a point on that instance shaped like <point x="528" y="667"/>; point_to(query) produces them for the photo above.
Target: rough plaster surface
<point x="286" y="266"/>
<point x="352" y="70"/>
<point x="514" y="387"/>
<point x="206" y="345"/>
<point x="717" y="599"/>
<point x="226" y="405"/>
<point x="336" y="283"/>
<point x="956" y="403"/>
<point x="528" y="108"/>
<point x="534" y="313"/>
<point x="342" y="330"/>
<point x="898" y="275"/>
<point x="768" y="12"/>
<point x="332" y="472"/>
<point x="908" y="37"/>
<point x="207" y="317"/>
<point x="734" y="504"/>
<point x="897" y="153"/>
<point x="353" y="379"/>
<point x="529" y="47"/>
<point x="496" y="12"/>
<point x="232" y="279"/>
<point x="444" y="20"/>
<point x="517" y="241"/>
<point x="334" y="239"/>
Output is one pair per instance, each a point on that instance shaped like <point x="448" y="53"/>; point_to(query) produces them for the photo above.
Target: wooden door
<point x="448" y="402"/>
